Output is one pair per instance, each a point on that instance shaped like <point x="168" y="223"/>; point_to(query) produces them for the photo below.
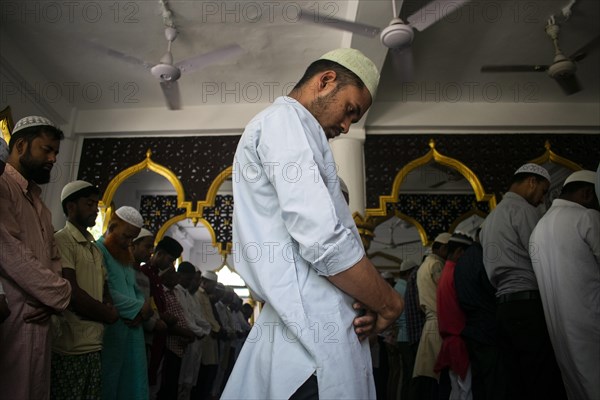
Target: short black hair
<point x="33" y="132"/>
<point x="186" y="267"/>
<point x="453" y="245"/>
<point x="344" y="75"/>
<point x="573" y="187"/>
<point x="170" y="246"/>
<point x="73" y="197"/>
<point x="437" y="245"/>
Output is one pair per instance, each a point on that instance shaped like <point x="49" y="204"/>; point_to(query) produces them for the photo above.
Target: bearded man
<point x="124" y="367"/>
<point x="30" y="267"/>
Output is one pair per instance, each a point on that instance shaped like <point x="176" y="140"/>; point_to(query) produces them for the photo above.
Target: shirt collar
<point x="286" y="100"/>
<point x="438" y="258"/>
<point x="514" y="196"/>
<point x="23" y="183"/>
<point x="78" y="235"/>
<point x="566" y="203"/>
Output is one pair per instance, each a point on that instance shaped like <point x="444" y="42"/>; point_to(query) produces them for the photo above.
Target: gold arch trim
<point x="195" y="215"/>
<point x="432" y="155"/>
<point x="145" y="165"/>
<point x="550" y="156"/>
<point x="416" y="224"/>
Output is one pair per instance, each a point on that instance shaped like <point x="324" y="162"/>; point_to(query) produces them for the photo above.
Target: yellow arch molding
<point x="147" y="164"/>
<point x="213" y="189"/>
<point x="194" y="215"/>
<point x="416" y="224"/>
<point x="550" y="156"/>
<point x="434" y="155"/>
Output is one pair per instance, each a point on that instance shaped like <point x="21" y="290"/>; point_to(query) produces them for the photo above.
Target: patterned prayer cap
<point x="531" y="168"/>
<point x="131" y="216"/>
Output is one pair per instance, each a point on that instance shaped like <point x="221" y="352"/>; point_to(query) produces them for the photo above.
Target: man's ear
<point x="70" y="206"/>
<point x="21" y="146"/>
<point x="327" y="78"/>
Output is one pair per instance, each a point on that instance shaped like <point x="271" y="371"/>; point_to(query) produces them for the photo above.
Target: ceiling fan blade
<point x="117" y="54"/>
<point x="569" y="84"/>
<point x="581" y="53"/>
<point x="403" y="63"/>
<point x="433" y="12"/>
<point x="438" y="184"/>
<point x="336" y="23"/>
<point x="172" y="96"/>
<point x="514" y="68"/>
<point x="212" y="57"/>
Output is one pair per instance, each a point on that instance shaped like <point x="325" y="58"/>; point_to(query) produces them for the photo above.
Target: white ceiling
<point x="54" y="36"/>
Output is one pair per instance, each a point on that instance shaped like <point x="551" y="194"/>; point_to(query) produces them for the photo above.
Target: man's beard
<point x="123" y="256"/>
<point x="35" y="170"/>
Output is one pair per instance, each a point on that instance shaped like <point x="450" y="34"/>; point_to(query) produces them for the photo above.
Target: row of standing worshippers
<point x="75" y="323"/>
<point x="513" y="316"/>
<point x="190" y="360"/>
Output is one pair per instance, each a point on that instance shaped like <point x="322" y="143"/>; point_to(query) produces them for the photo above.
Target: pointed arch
<point x="550" y="156"/>
<point x="432" y="155"/>
<point x="435" y="156"/>
<point x="146" y="165"/>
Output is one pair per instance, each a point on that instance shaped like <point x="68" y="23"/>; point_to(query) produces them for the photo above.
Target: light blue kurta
<point x="291" y="229"/>
<point x="124" y="369"/>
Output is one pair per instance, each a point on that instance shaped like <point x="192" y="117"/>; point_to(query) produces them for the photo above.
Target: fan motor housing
<point x="397" y="34"/>
<point x="166" y="72"/>
<point x="563" y="67"/>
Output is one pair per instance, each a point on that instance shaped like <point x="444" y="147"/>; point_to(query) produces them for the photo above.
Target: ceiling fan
<point x="562" y="70"/>
<point x="167" y="72"/>
<point x="398" y="35"/>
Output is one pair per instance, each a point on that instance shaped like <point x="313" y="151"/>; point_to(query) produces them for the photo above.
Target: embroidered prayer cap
<point x="171" y="246"/>
<point x="443" y="238"/>
<point x="3" y="150"/>
<point x="131" y="216"/>
<point x="31" y="121"/>
<point x="408" y="264"/>
<point x="210" y="275"/>
<point x="531" y="168"/>
<point x="186" y="267"/>
<point x="143" y="233"/>
<point x="358" y="63"/>
<point x="461" y="238"/>
<point x="581" y="176"/>
<point x="72" y="188"/>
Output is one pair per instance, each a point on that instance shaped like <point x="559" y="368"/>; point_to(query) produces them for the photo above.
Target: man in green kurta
<point x="124" y="370"/>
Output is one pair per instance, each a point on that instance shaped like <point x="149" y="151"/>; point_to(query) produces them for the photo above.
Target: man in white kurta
<point x="565" y="253"/>
<point x="295" y="241"/>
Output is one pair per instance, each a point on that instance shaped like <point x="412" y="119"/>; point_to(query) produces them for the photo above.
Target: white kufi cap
<point x="131" y="216"/>
<point x="443" y="238"/>
<point x="143" y="233"/>
<point x="581" y="176"/>
<point x="30" y="121"/>
<point x="210" y="275"/>
<point x="531" y="168"/>
<point x="358" y="63"/>
<point x="73" y="187"/>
